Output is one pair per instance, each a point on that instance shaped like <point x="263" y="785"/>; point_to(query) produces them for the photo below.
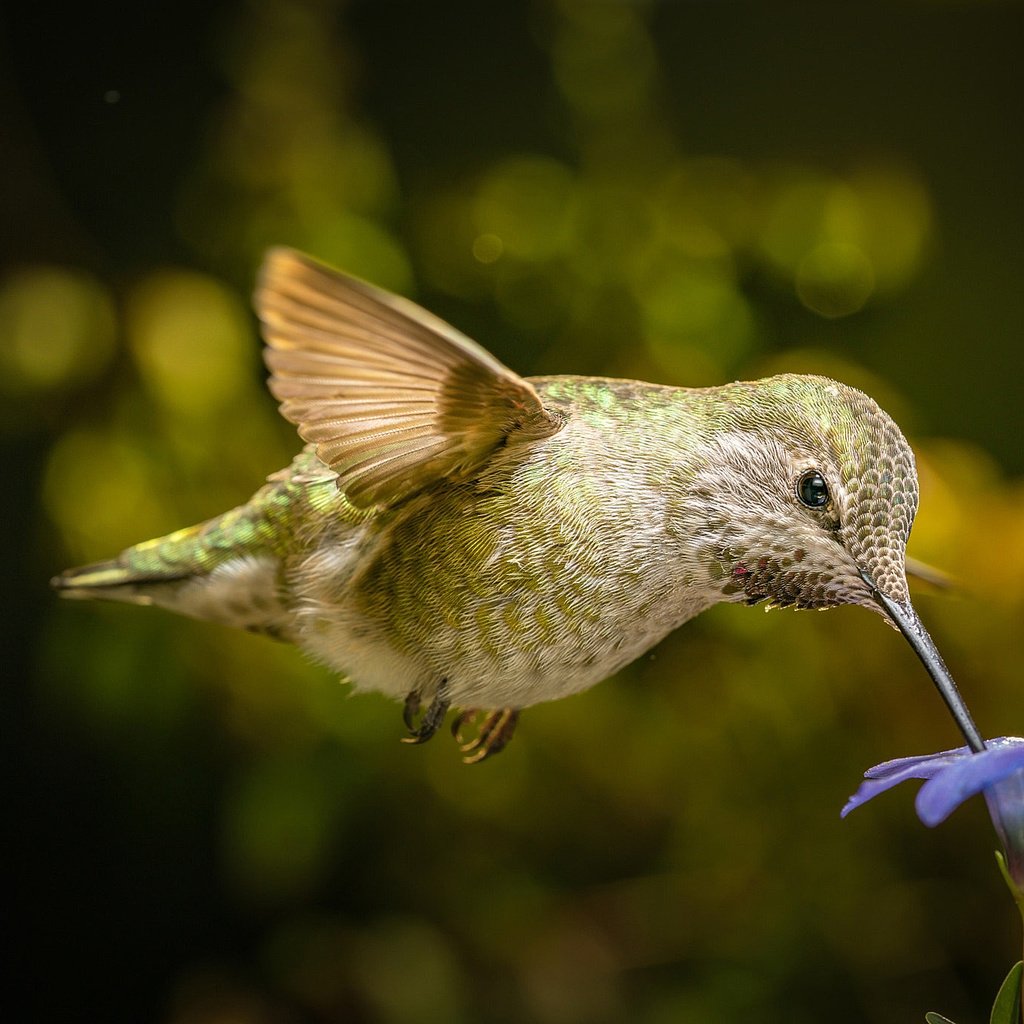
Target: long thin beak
<point x="910" y="625"/>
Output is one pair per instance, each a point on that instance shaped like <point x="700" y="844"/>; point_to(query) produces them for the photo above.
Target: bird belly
<point x="511" y="674"/>
<point x="489" y="648"/>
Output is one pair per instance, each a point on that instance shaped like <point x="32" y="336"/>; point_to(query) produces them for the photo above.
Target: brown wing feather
<point x="393" y="397"/>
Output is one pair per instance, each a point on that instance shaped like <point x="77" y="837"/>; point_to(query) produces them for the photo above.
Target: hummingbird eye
<point x="812" y="490"/>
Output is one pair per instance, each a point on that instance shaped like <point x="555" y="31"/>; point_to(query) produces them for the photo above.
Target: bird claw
<point x="492" y="735"/>
<point x="432" y="717"/>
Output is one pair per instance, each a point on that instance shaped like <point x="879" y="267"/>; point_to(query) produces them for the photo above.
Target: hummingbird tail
<point x="145" y="574"/>
<point x="112" y="580"/>
<point x="216" y="571"/>
<point x="229" y="569"/>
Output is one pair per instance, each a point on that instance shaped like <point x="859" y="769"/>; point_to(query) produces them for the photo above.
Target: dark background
<point x="204" y="827"/>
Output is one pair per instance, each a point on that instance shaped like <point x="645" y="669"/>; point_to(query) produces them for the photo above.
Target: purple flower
<point x="954" y="775"/>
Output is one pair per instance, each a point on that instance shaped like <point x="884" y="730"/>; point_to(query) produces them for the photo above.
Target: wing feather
<point x="393" y="398"/>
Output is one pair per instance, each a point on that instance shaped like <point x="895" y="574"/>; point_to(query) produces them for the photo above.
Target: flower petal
<point x="943" y="793"/>
<point x="891" y="773"/>
<point x="870" y="787"/>
<point x="930" y="764"/>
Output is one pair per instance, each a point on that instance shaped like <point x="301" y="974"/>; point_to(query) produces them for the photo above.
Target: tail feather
<point x="189" y="571"/>
<point x="228" y="569"/>
<point x="240" y="591"/>
<point x="180" y="555"/>
<point x="112" y="580"/>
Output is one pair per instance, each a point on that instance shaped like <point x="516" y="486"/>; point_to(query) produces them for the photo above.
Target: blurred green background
<point x="206" y="829"/>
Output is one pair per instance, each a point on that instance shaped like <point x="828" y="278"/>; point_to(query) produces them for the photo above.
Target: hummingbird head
<point x="825" y="490"/>
<point x="822" y="494"/>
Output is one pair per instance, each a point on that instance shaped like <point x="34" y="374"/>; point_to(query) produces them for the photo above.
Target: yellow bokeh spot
<point x="696" y="306"/>
<point x="835" y="279"/>
<point x="57" y="328"/>
<point x="99" y="492"/>
<point x="794" y="220"/>
<point x="604" y="62"/>
<point x="357" y="245"/>
<point x="527" y="202"/>
<point x="488" y="247"/>
<point x="897" y="222"/>
<point x="841" y="239"/>
<point x="192" y="339"/>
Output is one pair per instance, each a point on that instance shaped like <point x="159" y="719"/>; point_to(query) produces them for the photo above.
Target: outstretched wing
<point x="393" y="397"/>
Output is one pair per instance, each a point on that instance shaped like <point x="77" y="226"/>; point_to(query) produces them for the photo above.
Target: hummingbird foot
<point x="492" y="736"/>
<point x="432" y="717"/>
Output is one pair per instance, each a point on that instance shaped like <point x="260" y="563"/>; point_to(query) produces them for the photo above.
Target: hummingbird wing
<point x="393" y="397"/>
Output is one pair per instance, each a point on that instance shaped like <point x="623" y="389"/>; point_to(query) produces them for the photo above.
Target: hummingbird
<point x="455" y="536"/>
